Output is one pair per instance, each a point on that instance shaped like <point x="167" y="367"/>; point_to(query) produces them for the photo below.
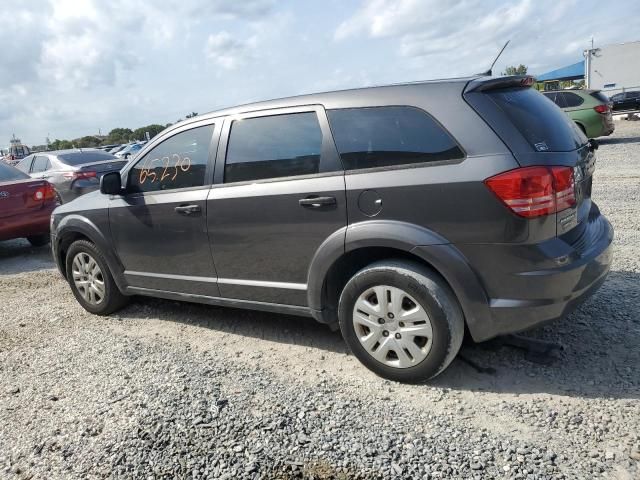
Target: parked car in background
<point x="403" y="215"/>
<point x="72" y="172"/>
<point x="626" y="101"/>
<point x="25" y="206"/>
<point x="107" y="148"/>
<point x="117" y="148"/>
<point x="589" y="109"/>
<point x="130" y="150"/>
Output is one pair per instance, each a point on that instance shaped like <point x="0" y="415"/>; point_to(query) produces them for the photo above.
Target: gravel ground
<point x="170" y="390"/>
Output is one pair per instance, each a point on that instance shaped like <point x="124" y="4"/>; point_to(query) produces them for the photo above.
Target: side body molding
<point x="419" y="241"/>
<point x="76" y="224"/>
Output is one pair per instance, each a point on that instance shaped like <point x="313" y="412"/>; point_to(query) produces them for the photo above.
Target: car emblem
<point x="4" y="194"/>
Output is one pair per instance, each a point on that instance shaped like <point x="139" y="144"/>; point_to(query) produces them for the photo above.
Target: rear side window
<point x="78" y="158"/>
<point x="25" y="164"/>
<point x="179" y="161"/>
<point x="541" y="123"/>
<point x="9" y="173"/>
<point x="571" y="99"/>
<point x="386" y="136"/>
<point x="272" y="147"/>
<point x="633" y="94"/>
<point x="40" y="164"/>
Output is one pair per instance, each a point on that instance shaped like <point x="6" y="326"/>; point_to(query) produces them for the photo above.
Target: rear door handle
<point x="317" y="202"/>
<point x="188" y="209"/>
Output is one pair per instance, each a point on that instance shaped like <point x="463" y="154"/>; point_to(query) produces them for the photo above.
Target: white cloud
<point x="228" y="51"/>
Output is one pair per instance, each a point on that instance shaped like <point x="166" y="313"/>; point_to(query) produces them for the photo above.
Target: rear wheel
<point x="38" y="240"/>
<point x="91" y="281"/>
<point x="401" y="320"/>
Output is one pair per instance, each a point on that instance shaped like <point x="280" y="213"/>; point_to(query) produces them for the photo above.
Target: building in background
<point x="613" y="68"/>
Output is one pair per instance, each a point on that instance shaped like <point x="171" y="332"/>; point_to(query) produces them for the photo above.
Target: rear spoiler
<point x="483" y="84"/>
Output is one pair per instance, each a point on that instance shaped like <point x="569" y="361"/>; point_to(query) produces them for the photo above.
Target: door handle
<point x="317" y="202"/>
<point x="188" y="209"/>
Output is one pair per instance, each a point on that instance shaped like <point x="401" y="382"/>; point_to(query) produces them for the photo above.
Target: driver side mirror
<point x="111" y="183"/>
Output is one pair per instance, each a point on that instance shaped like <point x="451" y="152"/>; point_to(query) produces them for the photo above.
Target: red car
<point x="25" y="206"/>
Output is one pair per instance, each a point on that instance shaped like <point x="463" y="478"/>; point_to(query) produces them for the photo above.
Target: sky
<point x="70" y="68"/>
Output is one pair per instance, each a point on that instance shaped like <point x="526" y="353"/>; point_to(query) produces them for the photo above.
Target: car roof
<point x="321" y="98"/>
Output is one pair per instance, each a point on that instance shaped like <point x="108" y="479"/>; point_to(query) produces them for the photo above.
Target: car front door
<point x="159" y="223"/>
<point x="278" y="195"/>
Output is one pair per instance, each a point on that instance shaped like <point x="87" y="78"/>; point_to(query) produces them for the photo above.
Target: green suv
<point x="590" y="109"/>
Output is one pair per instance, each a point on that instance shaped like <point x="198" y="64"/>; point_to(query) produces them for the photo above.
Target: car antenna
<point x="489" y="72"/>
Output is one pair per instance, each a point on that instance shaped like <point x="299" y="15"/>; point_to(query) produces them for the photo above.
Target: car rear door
<point x="278" y="194"/>
<point x="159" y="224"/>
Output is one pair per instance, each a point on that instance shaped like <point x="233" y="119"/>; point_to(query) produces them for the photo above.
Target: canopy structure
<point x="570" y="72"/>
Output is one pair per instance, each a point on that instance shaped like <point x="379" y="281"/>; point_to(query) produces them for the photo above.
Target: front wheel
<point x="91" y="281"/>
<point x="401" y="320"/>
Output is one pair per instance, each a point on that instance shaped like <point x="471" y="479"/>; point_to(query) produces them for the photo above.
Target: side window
<point x="561" y="100"/>
<point x="572" y="100"/>
<point x="551" y="96"/>
<point x="633" y="94"/>
<point x="274" y="146"/>
<point x="385" y="136"/>
<point x="178" y="162"/>
<point x="25" y="164"/>
<point x="40" y="164"/>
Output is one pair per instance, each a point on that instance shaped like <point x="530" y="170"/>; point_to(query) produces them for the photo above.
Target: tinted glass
<point x="600" y="96"/>
<point x="556" y="98"/>
<point x="542" y="124"/>
<point x="178" y="162"/>
<point x="571" y="99"/>
<point x="78" y="158"/>
<point x="25" y="164"/>
<point x="40" y="164"/>
<point x="272" y="147"/>
<point x="385" y="136"/>
<point x="633" y="94"/>
<point x="9" y="173"/>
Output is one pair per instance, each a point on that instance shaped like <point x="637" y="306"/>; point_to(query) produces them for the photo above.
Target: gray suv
<point x="404" y="215"/>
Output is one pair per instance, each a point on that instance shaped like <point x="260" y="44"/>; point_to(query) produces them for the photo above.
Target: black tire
<point x="39" y="240"/>
<point x="113" y="299"/>
<point x="433" y="295"/>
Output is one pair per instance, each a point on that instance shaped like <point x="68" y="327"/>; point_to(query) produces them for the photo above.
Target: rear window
<point x="600" y="97"/>
<point x="78" y="158"/>
<point x="9" y="173"/>
<point x="541" y="123"/>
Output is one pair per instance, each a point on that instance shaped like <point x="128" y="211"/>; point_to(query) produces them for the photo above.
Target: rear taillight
<point x="601" y="108"/>
<point x="44" y="193"/>
<point x="535" y="191"/>
<point x="79" y="175"/>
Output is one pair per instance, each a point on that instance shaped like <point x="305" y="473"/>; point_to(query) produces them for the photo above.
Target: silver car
<point x="72" y="172"/>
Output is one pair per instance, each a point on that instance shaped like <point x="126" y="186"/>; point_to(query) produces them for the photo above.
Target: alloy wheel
<point x="88" y="278"/>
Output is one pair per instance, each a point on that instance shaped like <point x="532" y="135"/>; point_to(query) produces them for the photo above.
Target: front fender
<point x="74" y="225"/>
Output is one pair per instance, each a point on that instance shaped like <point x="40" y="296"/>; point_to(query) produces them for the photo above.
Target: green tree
<point x="120" y="135"/>
<point x="191" y="115"/>
<point x="88" y="141"/>
<point x="153" y="129"/>
<point x="519" y="70"/>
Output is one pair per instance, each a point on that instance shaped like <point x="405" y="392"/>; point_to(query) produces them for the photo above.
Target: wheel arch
<point x="354" y="247"/>
<point x="75" y="227"/>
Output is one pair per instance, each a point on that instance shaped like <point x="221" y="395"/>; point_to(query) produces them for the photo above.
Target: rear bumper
<point x="28" y="224"/>
<point x="532" y="284"/>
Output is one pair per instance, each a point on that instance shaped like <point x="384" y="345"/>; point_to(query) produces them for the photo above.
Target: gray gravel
<point x="170" y="390"/>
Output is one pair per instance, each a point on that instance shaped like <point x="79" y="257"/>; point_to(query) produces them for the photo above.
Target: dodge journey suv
<point x="404" y="215"/>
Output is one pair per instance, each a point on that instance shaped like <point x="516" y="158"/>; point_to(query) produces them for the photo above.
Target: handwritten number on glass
<point x="175" y="162"/>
